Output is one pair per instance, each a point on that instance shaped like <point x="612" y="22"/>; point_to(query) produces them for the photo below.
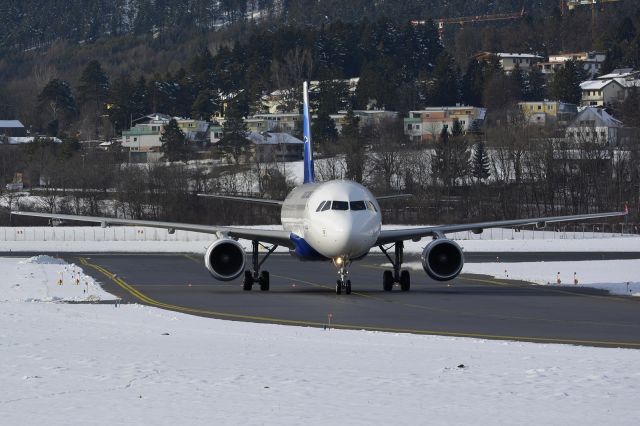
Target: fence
<point x="128" y="233"/>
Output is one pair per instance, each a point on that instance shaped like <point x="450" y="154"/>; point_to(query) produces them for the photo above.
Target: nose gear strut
<point x="343" y="283"/>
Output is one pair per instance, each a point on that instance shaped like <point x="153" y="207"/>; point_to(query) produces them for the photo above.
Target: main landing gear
<point x="396" y="276"/>
<point x="256" y="276"/>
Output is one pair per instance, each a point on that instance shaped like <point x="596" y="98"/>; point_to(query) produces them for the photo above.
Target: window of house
<point x="409" y="126"/>
<point x="539" y="107"/>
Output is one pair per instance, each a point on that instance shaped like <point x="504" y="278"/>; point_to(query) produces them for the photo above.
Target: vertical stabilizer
<point x="309" y="173"/>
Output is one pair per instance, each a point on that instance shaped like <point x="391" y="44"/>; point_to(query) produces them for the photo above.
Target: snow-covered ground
<point x="129" y="365"/>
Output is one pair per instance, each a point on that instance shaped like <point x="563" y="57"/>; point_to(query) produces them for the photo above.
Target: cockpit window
<point x="358" y="205"/>
<point x="371" y="206"/>
<point x="340" y="205"/>
<point x="320" y="206"/>
<point x="327" y="206"/>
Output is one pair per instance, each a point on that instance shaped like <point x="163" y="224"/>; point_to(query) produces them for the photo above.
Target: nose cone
<point x="351" y="236"/>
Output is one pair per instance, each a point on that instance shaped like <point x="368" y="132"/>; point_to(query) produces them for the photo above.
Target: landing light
<point x="338" y="261"/>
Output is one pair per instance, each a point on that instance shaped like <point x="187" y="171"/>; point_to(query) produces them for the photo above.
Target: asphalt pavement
<point x="303" y="293"/>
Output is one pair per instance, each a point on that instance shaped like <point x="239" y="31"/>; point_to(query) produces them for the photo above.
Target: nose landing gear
<point x="342" y="283"/>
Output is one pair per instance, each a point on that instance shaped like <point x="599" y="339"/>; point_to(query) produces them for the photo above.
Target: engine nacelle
<point x="442" y="259"/>
<point x="225" y="259"/>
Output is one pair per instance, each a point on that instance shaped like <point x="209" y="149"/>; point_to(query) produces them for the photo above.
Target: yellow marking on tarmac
<point x="152" y="302"/>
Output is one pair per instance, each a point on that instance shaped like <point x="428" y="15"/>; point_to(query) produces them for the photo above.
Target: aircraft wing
<point x="246" y="199"/>
<point x="391" y="236"/>
<point x="393" y="197"/>
<point x="278" y="237"/>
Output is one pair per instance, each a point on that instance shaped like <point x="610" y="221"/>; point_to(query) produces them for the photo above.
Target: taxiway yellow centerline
<point x="152" y="302"/>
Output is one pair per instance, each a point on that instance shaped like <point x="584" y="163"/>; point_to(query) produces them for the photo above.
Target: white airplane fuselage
<point x="331" y="220"/>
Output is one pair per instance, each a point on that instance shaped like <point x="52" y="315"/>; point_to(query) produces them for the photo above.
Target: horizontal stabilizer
<point x="245" y="199"/>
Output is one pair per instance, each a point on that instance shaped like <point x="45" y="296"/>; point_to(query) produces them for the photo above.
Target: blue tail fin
<point x="309" y="173"/>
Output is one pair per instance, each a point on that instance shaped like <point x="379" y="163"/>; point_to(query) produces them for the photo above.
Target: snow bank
<point x="47" y="279"/>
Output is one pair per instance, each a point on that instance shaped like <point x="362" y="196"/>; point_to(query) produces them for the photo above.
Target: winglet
<point x="309" y="173"/>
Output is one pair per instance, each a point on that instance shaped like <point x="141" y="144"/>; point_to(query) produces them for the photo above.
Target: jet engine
<point x="225" y="259"/>
<point x="442" y="259"/>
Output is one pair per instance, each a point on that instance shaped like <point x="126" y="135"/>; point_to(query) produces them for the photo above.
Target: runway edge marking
<point x="152" y="302"/>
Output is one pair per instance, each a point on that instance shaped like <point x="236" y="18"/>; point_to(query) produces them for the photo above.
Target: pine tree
<point x="352" y="142"/>
<point x="481" y="166"/>
<point x="94" y="91"/>
<point x="57" y="99"/>
<point x="234" y="134"/>
<point x="565" y="86"/>
<point x="174" y="143"/>
<point x="444" y="90"/>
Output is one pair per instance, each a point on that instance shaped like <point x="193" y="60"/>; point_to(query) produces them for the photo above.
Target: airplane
<point x="337" y="220"/>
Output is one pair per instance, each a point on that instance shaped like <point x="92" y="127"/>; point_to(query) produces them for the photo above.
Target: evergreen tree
<point x="324" y="132"/>
<point x="56" y="98"/>
<point x="174" y="142"/>
<point x="352" y="142"/>
<point x="565" y="86"/>
<point x="535" y="86"/>
<point x="473" y="84"/>
<point x="450" y="162"/>
<point x="234" y="134"/>
<point x="94" y="91"/>
<point x="443" y="89"/>
<point x="481" y="166"/>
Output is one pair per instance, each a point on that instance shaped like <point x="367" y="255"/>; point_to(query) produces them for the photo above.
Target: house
<point x="215" y="133"/>
<point x="426" y="125"/>
<point x="591" y="62"/>
<point x="548" y="112"/>
<point x="366" y="117"/>
<point x="143" y="139"/>
<point x="601" y="93"/>
<point x="269" y="147"/>
<point x="279" y="122"/>
<point x="596" y="125"/>
<point x="509" y="61"/>
<point x="11" y="128"/>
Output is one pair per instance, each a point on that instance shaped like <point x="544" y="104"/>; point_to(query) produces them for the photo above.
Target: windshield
<point x="340" y="205"/>
<point x="358" y="205"/>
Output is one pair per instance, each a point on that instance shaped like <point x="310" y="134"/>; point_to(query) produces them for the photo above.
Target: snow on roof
<point x="518" y="55"/>
<point x="266" y="138"/>
<point x="601" y="118"/>
<point x="596" y="84"/>
<point x="618" y="73"/>
<point x="11" y="124"/>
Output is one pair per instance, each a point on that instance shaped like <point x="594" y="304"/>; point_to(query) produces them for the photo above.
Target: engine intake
<point x="442" y="259"/>
<point x="225" y="259"/>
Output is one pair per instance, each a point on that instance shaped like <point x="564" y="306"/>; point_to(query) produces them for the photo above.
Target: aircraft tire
<point x="264" y="281"/>
<point x="247" y="283"/>
<point x="347" y="289"/>
<point x="405" y="280"/>
<point x="339" y="287"/>
<point x="387" y="280"/>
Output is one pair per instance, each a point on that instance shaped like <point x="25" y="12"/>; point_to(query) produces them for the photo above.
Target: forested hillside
<point x="187" y="55"/>
<point x="26" y="24"/>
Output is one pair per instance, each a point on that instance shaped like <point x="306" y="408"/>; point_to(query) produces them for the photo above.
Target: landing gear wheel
<point x="338" y="287"/>
<point x="247" y="284"/>
<point x="405" y="281"/>
<point x="347" y="288"/>
<point x="264" y="281"/>
<point x="387" y="280"/>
